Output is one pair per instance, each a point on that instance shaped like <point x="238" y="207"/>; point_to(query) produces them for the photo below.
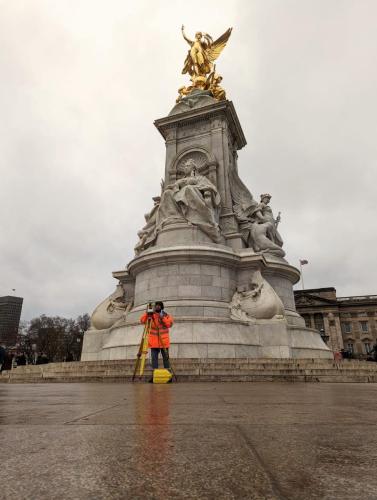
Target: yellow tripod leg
<point x="140" y="362"/>
<point x="144" y="352"/>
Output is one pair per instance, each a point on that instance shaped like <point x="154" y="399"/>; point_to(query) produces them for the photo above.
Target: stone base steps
<point x="203" y="370"/>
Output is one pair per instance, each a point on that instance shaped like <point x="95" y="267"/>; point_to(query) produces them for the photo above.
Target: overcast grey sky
<point x="83" y="80"/>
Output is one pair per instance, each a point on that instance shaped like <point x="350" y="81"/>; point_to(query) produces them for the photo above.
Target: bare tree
<point x="59" y="338"/>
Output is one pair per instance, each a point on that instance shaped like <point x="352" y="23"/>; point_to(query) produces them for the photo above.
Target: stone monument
<point x="209" y="250"/>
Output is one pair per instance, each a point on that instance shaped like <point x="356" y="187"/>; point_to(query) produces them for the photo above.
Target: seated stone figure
<point x="192" y="199"/>
<point x="257" y="224"/>
<point x="263" y="229"/>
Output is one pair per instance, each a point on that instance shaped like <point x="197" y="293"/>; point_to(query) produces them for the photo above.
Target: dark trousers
<point x="165" y="357"/>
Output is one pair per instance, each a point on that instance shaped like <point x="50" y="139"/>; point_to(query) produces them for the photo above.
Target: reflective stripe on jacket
<point x="158" y="326"/>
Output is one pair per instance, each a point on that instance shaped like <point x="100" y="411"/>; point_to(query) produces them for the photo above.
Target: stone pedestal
<point x="197" y="275"/>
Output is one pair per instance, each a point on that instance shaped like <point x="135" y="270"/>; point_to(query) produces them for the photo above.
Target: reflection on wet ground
<point x="219" y="440"/>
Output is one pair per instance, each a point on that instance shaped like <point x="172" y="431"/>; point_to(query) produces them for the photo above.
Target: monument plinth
<point x="208" y="250"/>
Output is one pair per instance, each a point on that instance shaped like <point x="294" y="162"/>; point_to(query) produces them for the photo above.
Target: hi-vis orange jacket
<point x="158" y="325"/>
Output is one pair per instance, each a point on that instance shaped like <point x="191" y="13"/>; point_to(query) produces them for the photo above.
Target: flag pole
<point x="302" y="276"/>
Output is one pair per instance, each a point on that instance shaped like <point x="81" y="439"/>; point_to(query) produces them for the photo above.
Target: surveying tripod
<point x="143" y="347"/>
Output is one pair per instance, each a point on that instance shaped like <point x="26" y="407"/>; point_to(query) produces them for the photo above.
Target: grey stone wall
<point x="185" y="281"/>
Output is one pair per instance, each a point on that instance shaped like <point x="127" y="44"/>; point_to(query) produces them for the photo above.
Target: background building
<point x="10" y="313"/>
<point x="349" y="322"/>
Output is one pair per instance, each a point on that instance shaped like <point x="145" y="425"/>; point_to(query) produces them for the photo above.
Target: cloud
<point x="82" y="83"/>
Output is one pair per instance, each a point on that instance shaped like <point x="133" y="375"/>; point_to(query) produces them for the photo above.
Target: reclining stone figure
<point x="259" y="301"/>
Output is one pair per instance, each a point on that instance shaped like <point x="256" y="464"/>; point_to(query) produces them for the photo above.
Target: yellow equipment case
<point x="161" y="376"/>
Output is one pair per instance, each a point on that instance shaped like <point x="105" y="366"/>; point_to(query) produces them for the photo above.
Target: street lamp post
<point x="324" y="337"/>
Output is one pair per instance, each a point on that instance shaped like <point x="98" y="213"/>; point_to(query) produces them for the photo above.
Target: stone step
<point x="214" y="368"/>
<point x="202" y="370"/>
<point x="207" y="362"/>
<point x="131" y="362"/>
<point x="69" y="367"/>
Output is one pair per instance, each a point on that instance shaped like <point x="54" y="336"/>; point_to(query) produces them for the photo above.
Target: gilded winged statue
<point x="203" y="52"/>
<point x="199" y="63"/>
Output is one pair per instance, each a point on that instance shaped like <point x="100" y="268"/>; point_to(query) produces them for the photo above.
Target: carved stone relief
<point x="199" y="158"/>
<point x="228" y="223"/>
<point x="112" y="309"/>
<point x="192" y="131"/>
<point x="259" y="301"/>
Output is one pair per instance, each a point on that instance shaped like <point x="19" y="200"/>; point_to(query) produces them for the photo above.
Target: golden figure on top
<point x="214" y="86"/>
<point x="199" y="63"/>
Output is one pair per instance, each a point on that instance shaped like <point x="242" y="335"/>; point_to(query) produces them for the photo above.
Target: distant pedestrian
<point x="7" y="363"/>
<point x="374" y="352"/>
<point x="338" y="356"/>
<point x="21" y="359"/>
<point x="44" y="359"/>
<point x="345" y="354"/>
<point x="2" y="357"/>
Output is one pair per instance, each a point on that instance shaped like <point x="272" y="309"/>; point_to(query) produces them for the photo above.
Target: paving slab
<point x="193" y="440"/>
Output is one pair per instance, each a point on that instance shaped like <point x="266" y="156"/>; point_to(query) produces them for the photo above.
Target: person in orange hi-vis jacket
<point x="158" y="339"/>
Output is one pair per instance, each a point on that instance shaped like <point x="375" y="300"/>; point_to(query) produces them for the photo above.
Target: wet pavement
<point x="216" y="440"/>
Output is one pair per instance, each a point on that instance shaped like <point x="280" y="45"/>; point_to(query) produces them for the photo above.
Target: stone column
<point x="218" y="152"/>
<point x="311" y="317"/>
<point x="338" y="332"/>
<point x="171" y="153"/>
